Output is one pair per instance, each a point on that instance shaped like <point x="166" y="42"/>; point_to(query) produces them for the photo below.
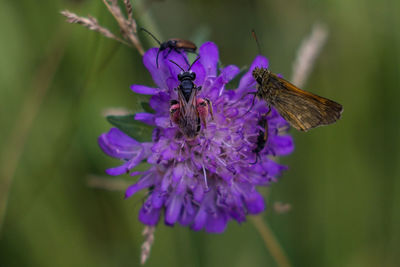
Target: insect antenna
<point x="190" y="65"/>
<point x="149" y="33"/>
<point x="177" y="65"/>
<point x="253" y="33"/>
<point x="194" y="62"/>
<point x="159" y="43"/>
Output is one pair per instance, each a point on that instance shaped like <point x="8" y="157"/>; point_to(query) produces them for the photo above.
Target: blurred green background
<point x="56" y="79"/>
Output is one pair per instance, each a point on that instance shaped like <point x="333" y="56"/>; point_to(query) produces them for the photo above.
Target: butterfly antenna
<point x="253" y="32"/>
<point x="149" y="33"/>
<point x="177" y="65"/>
<point x="194" y="62"/>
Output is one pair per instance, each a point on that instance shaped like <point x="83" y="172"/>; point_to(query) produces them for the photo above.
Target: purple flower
<point x="205" y="182"/>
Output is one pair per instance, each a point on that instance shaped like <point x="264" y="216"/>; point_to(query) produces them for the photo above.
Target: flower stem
<point x="270" y="241"/>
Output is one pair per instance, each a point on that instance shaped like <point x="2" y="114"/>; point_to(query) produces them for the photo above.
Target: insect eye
<point x="192" y="75"/>
<point x="180" y="76"/>
<point x="259" y="80"/>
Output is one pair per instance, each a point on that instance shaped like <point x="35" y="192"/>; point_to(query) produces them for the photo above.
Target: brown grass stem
<point x="308" y="53"/>
<point x="127" y="26"/>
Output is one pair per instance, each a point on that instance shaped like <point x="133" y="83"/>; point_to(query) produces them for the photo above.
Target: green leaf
<point x="233" y="84"/>
<point x="146" y="107"/>
<point x="135" y="129"/>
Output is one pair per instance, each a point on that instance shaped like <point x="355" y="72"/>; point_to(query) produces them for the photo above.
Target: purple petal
<point x="178" y="172"/>
<point x="282" y="145"/>
<point x="160" y="74"/>
<point x="149" y="215"/>
<point x="163" y="122"/>
<point x="274" y="169"/>
<point x="144" y="117"/>
<point x="118" y="145"/>
<point x="157" y="198"/>
<point x="199" y="220"/>
<point x="198" y="193"/>
<point x="216" y="223"/>
<point x="173" y="210"/>
<point x="188" y="212"/>
<point x="200" y="73"/>
<point x="218" y="85"/>
<point x="146" y="181"/>
<point x="119" y="170"/>
<point x="160" y="103"/>
<point x="209" y="57"/>
<point x="229" y="72"/>
<point x="145" y="90"/>
<point x="255" y="203"/>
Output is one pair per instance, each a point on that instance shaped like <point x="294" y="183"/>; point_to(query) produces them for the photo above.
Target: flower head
<point x="206" y="181"/>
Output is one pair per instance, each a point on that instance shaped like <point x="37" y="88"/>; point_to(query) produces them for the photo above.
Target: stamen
<point x="220" y="160"/>
<point x="205" y="177"/>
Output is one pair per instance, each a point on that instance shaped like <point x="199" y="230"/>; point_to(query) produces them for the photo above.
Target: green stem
<point x="270" y="241"/>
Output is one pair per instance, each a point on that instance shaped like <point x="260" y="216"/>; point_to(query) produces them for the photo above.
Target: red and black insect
<point x="174" y="44"/>
<point x="189" y="111"/>
<point x="262" y="137"/>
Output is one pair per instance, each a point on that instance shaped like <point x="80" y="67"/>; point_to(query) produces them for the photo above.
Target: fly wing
<point x="304" y="110"/>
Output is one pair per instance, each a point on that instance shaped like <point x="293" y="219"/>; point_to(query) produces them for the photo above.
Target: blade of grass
<point x="15" y="144"/>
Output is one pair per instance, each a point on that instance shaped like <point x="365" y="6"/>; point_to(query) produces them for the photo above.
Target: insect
<point x="302" y="109"/>
<point x="174" y="44"/>
<point x="189" y="111"/>
<point x="262" y="137"/>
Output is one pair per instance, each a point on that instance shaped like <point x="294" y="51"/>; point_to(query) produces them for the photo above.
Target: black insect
<point x="174" y="44"/>
<point x="186" y="79"/>
<point x="189" y="110"/>
<point x="187" y="85"/>
<point x="262" y="137"/>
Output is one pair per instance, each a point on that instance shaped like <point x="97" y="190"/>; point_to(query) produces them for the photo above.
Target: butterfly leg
<point x="266" y="124"/>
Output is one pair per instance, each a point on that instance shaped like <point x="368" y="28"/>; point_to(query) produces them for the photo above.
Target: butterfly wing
<point x="304" y="110"/>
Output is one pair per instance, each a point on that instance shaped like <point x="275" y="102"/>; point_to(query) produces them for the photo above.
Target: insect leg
<point x="169" y="52"/>
<point x="183" y="55"/>
<point x="250" y="93"/>
<point x="158" y="52"/>
<point x="266" y="124"/>
<point x="252" y="104"/>
<point x="255" y="162"/>
<point x="210" y="107"/>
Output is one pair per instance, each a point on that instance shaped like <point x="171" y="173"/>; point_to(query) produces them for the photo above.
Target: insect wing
<point x="304" y="110"/>
<point x="184" y="44"/>
<point x="189" y="122"/>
